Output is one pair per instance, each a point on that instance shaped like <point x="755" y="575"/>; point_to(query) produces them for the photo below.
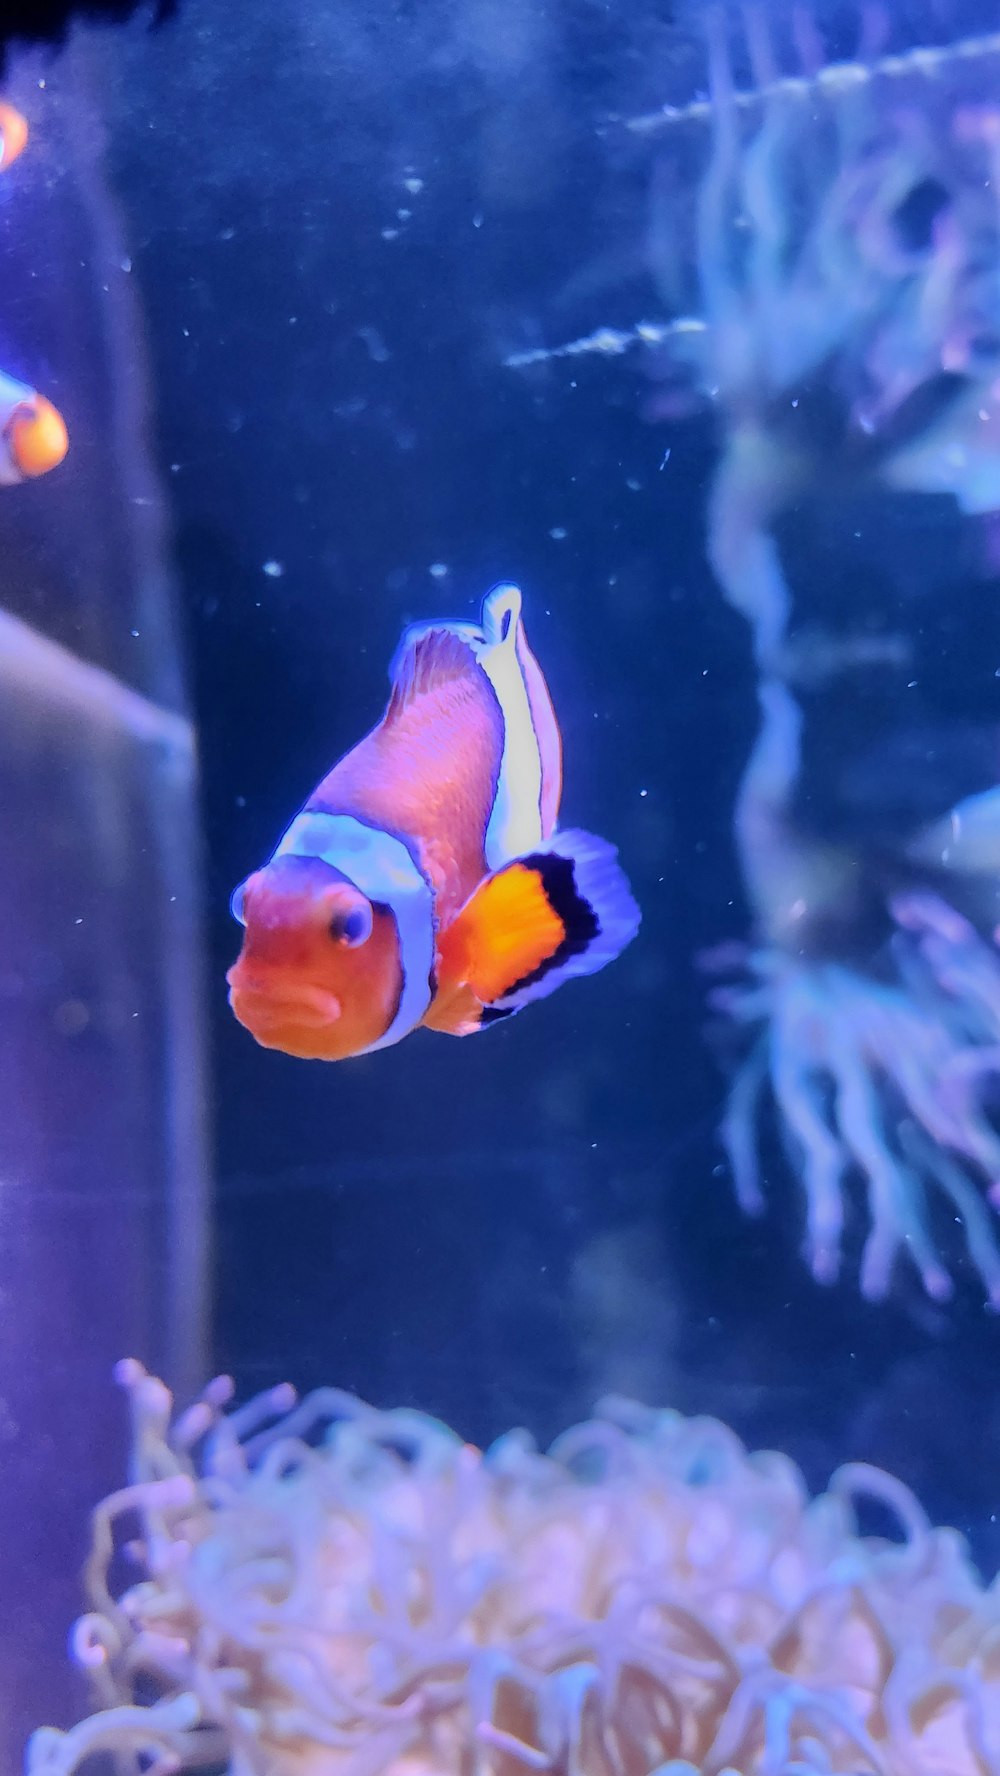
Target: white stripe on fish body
<point x="380" y="867"/>
<point x="12" y="394"/>
<point x="515" y="824"/>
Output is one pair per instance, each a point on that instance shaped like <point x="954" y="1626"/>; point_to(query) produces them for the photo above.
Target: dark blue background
<point x="502" y="1228"/>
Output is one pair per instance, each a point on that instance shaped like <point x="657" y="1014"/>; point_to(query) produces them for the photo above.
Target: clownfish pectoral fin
<point x="565" y="909"/>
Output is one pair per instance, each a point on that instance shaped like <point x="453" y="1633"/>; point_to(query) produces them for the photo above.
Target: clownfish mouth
<point x="263" y="1008"/>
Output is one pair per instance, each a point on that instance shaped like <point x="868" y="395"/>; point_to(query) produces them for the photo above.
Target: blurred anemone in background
<point x="844" y="265"/>
<point x="324" y="1587"/>
<point x="832" y="295"/>
<point x="843" y="258"/>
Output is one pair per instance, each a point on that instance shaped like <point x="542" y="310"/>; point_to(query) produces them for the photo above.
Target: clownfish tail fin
<point x="588" y="891"/>
<point x="563" y="910"/>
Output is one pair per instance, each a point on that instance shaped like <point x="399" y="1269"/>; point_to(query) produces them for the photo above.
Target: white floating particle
<point x="665" y="458"/>
<point x="404" y="215"/>
<point x="438" y="569"/>
<point x="135" y="634"/>
<point x="413" y="186"/>
<point x="126" y="264"/>
<point x="633" y="485"/>
<point x="390" y="233"/>
<point x="644" y="792"/>
<point x="378" y="351"/>
<point x="273" y="569"/>
<point x="477" y="220"/>
<point x="557" y="533"/>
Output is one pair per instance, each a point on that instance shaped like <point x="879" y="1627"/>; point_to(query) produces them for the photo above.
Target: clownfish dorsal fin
<point x="426" y="661"/>
<point x="565" y="909"/>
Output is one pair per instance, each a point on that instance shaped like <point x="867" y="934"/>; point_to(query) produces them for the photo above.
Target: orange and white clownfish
<point x="33" y="435"/>
<point x="424" y="881"/>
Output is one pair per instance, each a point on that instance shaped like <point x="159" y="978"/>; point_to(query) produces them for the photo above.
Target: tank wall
<point x="102" y="1156"/>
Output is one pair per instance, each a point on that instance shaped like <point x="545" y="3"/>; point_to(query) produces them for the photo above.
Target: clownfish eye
<point x="352" y="926"/>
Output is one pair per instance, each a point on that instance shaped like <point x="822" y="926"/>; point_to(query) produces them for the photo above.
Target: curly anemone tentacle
<point x="646" y="1598"/>
<point x="872" y="1080"/>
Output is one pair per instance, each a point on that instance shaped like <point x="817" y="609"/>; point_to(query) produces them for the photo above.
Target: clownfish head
<point x="34" y="438"/>
<point x="319" y="974"/>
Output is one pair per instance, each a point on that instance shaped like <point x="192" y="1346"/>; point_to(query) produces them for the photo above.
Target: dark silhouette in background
<point x="47" y="21"/>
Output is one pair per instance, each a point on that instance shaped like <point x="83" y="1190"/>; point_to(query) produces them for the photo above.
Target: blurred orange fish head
<point x="34" y="436"/>
<point x="319" y="975"/>
<point x="13" y="133"/>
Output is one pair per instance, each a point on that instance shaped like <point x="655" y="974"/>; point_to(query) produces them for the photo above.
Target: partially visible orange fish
<point x="13" y="134"/>
<point x="424" y="881"/>
<point x="33" y="437"/>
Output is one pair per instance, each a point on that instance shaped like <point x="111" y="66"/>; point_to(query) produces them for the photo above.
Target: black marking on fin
<point x="579" y="920"/>
<point x="492" y="1014"/>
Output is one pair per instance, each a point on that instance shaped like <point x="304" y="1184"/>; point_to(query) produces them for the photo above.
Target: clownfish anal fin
<point x="565" y="909"/>
<point x="427" y="660"/>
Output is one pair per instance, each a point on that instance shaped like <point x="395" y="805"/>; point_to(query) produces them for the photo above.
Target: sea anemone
<point x="325" y="1589"/>
<point x="886" y="1073"/>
